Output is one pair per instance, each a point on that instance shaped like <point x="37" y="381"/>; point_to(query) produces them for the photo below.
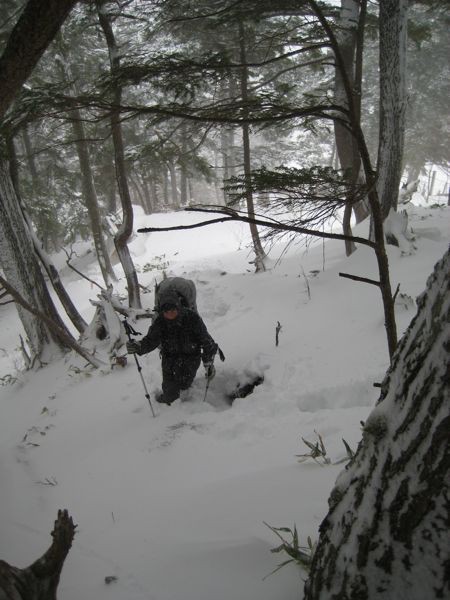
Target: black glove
<point x="210" y="371"/>
<point x="133" y="347"/>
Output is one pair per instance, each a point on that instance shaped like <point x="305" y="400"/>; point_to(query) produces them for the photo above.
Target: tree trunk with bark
<point x="38" y="24"/>
<point x="393" y="39"/>
<point x="260" y="255"/>
<point x="90" y="198"/>
<point x="40" y="580"/>
<point x="126" y="228"/>
<point x="45" y="260"/>
<point x="372" y="195"/>
<point x="173" y="184"/>
<point x="386" y="533"/>
<point x="30" y="158"/>
<point x="36" y="27"/>
<point x="165" y="186"/>
<point x="151" y="180"/>
<point x="351" y="40"/>
<point x="184" y="172"/>
<point x="347" y="39"/>
<point x="146" y="192"/>
<point x="22" y="271"/>
<point x="108" y="176"/>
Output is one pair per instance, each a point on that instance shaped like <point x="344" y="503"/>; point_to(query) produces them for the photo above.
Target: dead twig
<point x="277" y="332"/>
<point x="69" y="256"/>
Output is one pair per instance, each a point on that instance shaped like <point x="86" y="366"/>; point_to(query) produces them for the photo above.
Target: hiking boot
<point x="159" y="397"/>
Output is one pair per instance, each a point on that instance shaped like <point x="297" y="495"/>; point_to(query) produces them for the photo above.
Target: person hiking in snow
<point x="184" y="342"/>
<point x="185" y="288"/>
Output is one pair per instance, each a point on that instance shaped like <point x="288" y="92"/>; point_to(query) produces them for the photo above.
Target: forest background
<point x="287" y="116"/>
<point x="247" y="107"/>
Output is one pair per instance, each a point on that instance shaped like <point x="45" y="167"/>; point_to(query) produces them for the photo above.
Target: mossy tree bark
<point x="386" y="534"/>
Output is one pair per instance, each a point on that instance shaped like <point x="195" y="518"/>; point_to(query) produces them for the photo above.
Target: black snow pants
<point x="178" y="374"/>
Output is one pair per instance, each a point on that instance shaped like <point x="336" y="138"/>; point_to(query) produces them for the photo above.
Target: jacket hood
<point x="171" y="298"/>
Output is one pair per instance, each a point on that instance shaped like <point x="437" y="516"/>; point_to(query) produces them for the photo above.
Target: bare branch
<point x="229" y="215"/>
<point x="79" y="272"/>
<point x="65" y="337"/>
<point x="357" y="278"/>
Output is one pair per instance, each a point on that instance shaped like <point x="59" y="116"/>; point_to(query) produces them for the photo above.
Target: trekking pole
<point x="208" y="380"/>
<point x="206" y="389"/>
<point x="130" y="331"/>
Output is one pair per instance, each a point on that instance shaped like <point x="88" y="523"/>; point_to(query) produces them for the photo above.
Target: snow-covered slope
<point x="174" y="506"/>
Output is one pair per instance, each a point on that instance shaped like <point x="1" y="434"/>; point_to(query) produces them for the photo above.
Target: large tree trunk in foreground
<point x="21" y="269"/>
<point x="46" y="261"/>
<point x="386" y="534"/>
<point x="40" y="580"/>
<point x="38" y="24"/>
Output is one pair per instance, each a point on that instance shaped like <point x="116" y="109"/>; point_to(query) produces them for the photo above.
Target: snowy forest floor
<point x="173" y="507"/>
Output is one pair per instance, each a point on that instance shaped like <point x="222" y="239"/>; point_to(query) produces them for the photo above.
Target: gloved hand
<point x="210" y="371"/>
<point x="133" y="347"/>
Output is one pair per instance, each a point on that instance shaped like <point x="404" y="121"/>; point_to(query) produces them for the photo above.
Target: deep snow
<point x="174" y="506"/>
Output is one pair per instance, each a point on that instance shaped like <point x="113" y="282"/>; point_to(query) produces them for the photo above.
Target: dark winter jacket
<point x="185" y="336"/>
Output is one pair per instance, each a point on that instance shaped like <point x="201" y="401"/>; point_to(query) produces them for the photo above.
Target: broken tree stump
<point x="40" y="580"/>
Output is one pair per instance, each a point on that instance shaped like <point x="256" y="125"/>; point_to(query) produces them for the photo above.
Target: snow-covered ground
<point x="174" y="506"/>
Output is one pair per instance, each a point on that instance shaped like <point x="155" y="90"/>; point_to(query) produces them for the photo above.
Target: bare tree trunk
<point x="372" y="195"/>
<point x="125" y="230"/>
<point x="109" y="188"/>
<point x="142" y="183"/>
<point x="361" y="208"/>
<point x="183" y="170"/>
<point x="226" y="138"/>
<point x="173" y="184"/>
<point x="21" y="269"/>
<point x="393" y="38"/>
<point x="346" y="38"/>
<point x="90" y="198"/>
<point x="350" y="39"/>
<point x="46" y="262"/>
<point x="30" y="157"/>
<point x="40" y="580"/>
<point x="38" y="24"/>
<point x="218" y="193"/>
<point x="386" y="534"/>
<point x="135" y="190"/>
<point x="48" y="239"/>
<point x="165" y="185"/>
<point x="183" y="187"/>
<point x="153" y="190"/>
<point x="225" y="159"/>
<point x="257" y="246"/>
